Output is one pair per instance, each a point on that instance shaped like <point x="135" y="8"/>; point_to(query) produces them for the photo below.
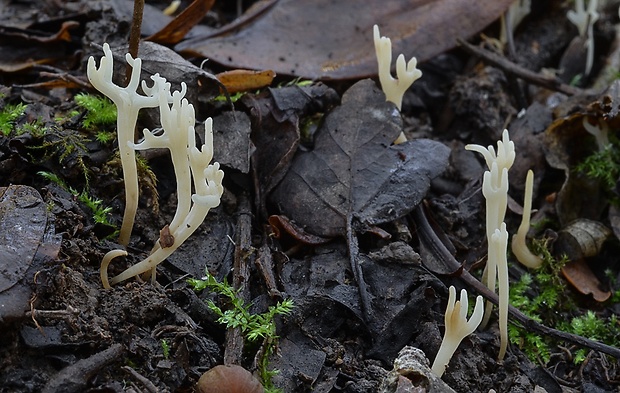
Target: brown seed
<point x="228" y="379"/>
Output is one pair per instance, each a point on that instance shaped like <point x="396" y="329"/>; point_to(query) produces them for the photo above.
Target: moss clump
<point x="604" y="166"/>
<point x="100" y="111"/>
<point x="539" y="295"/>
<point x="9" y="115"/>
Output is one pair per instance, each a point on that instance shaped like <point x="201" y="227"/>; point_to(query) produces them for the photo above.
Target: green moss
<point x="9" y="115"/>
<point x="542" y="296"/>
<point x="165" y="348"/>
<point x="100" y="111"/>
<point x="596" y="328"/>
<point x="36" y="128"/>
<point x="100" y="214"/>
<point x="233" y="97"/>
<point x="604" y="165"/>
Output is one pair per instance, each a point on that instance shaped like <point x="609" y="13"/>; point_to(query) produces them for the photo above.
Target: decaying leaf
<point x="355" y="171"/>
<point x="26" y="246"/>
<point x="327" y="39"/>
<point x="276" y="116"/>
<point x="581" y="277"/>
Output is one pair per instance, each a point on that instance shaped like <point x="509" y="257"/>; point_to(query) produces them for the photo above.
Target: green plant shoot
<point x="252" y="326"/>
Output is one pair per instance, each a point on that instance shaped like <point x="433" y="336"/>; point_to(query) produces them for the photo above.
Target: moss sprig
<point x="252" y="326"/>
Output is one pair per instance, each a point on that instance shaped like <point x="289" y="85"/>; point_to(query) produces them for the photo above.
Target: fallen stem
<point x="549" y="82"/>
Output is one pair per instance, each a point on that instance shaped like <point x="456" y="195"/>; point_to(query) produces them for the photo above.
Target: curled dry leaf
<point x="582" y="238"/>
<point x="579" y="240"/>
<point x="281" y="226"/>
<point x="174" y="31"/>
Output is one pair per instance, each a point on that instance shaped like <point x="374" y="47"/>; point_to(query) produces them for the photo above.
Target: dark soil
<point x="61" y="331"/>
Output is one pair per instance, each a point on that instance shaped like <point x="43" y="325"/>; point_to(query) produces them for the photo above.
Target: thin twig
<point x="134" y="35"/>
<point x="549" y="82"/>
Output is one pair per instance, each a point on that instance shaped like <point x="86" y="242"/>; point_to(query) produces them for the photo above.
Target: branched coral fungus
<point x="191" y="165"/>
<point x="457" y="327"/>
<point x="495" y="191"/>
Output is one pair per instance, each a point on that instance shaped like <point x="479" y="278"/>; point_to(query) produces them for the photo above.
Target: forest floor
<point x="332" y="249"/>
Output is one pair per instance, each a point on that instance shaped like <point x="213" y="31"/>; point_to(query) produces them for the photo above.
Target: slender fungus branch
<point x="519" y="246"/>
<point x="495" y="191"/>
<point x="191" y="165"/>
<point x="457" y="327"/>
<point x="406" y="72"/>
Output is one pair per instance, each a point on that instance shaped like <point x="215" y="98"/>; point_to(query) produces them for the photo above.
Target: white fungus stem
<point x="406" y="72"/>
<point x="499" y="243"/>
<point x="128" y="103"/>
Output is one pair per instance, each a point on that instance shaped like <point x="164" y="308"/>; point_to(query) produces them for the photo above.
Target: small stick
<point x="244" y="256"/>
<point x="134" y="35"/>
<point x="549" y="82"/>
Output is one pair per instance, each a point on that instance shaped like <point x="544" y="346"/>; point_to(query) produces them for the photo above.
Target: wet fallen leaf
<point x="276" y="116"/>
<point x="22" y="213"/>
<point x="354" y="170"/>
<point x="581" y="277"/>
<point x="231" y="141"/>
<point x="327" y="39"/>
<point x="24" y="247"/>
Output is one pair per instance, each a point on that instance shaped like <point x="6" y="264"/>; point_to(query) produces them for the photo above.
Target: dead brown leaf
<point x="324" y="39"/>
<point x="579" y="275"/>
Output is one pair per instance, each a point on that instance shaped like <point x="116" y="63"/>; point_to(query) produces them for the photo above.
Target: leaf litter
<point x="359" y="299"/>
